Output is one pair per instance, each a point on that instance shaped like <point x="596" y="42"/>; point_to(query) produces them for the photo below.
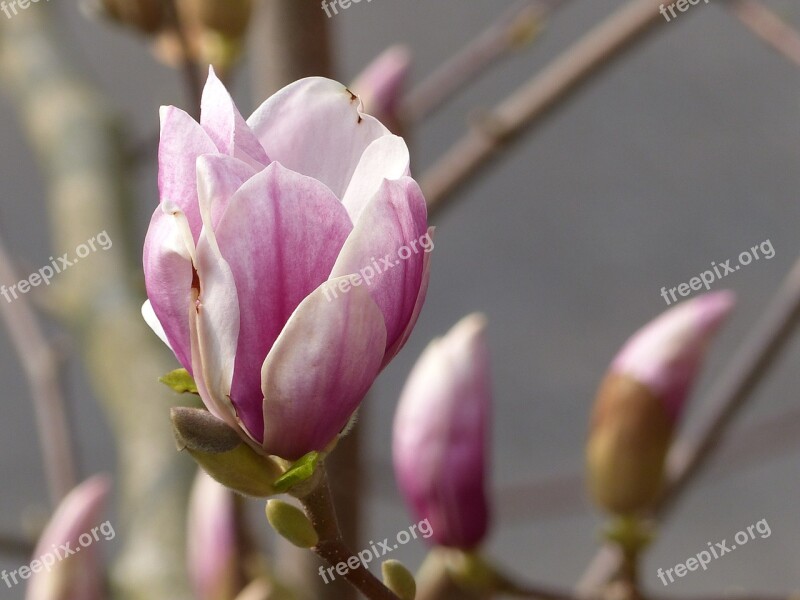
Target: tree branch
<point x="768" y="26"/>
<point x="536" y="99"/>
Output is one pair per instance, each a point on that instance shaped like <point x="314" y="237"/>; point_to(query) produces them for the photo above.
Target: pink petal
<point x="182" y="141"/>
<point x="385" y="158"/>
<point x="320" y="368"/>
<point x="315" y="126"/>
<point x="441" y="430"/>
<point x="281" y="234"/>
<point x="226" y="126"/>
<point x="395" y="348"/>
<point x="391" y="224"/>
<point x="167" y="260"/>
<point x="666" y="354"/>
<point x="214" y="326"/>
<point x="219" y="177"/>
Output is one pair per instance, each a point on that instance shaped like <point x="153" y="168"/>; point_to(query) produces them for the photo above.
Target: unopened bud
<point x="399" y="579"/>
<point x="628" y="442"/>
<point x="291" y="523"/>
<point x="220" y="451"/>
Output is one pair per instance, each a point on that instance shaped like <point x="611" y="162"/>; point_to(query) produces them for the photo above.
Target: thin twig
<point x="768" y="26"/>
<point x="498" y="40"/>
<point x="544" y="93"/>
<point x="42" y="371"/>
<point x="727" y="396"/>
<point x="321" y="511"/>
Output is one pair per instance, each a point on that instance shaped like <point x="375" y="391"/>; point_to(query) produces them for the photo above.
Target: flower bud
<point x="222" y="453"/>
<point x="212" y="544"/>
<point x="440" y="436"/>
<point x="291" y="523"/>
<point x="79" y="575"/>
<point x="382" y="84"/>
<point x="640" y="401"/>
<point x="399" y="579"/>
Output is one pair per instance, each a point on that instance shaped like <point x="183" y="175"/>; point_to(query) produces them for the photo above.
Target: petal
<point x="315" y="126"/>
<point x="152" y="321"/>
<point x="218" y="178"/>
<point x="320" y="368"/>
<point x="182" y="141"/>
<point x="386" y="242"/>
<point x="226" y="126"/>
<point x="381" y="84"/>
<point x="280" y="234"/>
<point x="214" y="325"/>
<point x="392" y="351"/>
<point x="666" y="354"/>
<point x="385" y="158"/>
<point x="167" y="260"/>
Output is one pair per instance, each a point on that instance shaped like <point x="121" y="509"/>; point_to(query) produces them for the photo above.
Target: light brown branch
<point x="536" y="99"/>
<point x="41" y="369"/>
<point x="501" y="37"/>
<point x="769" y="27"/>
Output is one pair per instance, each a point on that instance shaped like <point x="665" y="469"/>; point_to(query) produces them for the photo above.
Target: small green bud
<point x="291" y="523"/>
<point x="180" y="381"/>
<point x="399" y="579"/>
<point x="222" y="454"/>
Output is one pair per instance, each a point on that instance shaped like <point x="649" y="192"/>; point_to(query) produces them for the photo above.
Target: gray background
<point x="685" y="153"/>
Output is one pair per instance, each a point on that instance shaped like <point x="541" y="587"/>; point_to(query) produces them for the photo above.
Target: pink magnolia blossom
<point x="68" y="549"/>
<point x="666" y="354"/>
<point x="441" y="432"/>
<point x="259" y="222"/>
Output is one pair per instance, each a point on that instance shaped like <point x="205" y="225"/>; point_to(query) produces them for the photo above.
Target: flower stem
<point x="320" y="509"/>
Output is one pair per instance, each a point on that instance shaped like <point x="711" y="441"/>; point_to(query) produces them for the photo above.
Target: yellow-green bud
<point x="291" y="523"/>
<point x="221" y="453"/>
<point x="399" y="579"/>
<point x="628" y="442"/>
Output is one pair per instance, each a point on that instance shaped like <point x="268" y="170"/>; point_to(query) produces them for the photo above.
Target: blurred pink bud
<point x="213" y="551"/>
<point x="441" y="432"/>
<point x="382" y="83"/>
<point x="640" y="400"/>
<point x="288" y="260"/>
<point x="666" y="354"/>
<point x="66" y="563"/>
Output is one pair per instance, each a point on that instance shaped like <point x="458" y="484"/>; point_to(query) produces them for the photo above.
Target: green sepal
<point x="301" y="470"/>
<point x="180" y="381"/>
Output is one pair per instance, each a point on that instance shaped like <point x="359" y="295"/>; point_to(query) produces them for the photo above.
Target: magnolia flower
<point x="256" y="260"/>
<point x="441" y="434"/>
<point x="66" y="564"/>
<point x="641" y="399"/>
<point x="212" y="548"/>
<point x="382" y="83"/>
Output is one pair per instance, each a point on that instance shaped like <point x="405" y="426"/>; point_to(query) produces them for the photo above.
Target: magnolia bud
<point x="222" y="453"/>
<point x="291" y="523"/>
<point x="641" y="399"/>
<point x="399" y="579"/>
